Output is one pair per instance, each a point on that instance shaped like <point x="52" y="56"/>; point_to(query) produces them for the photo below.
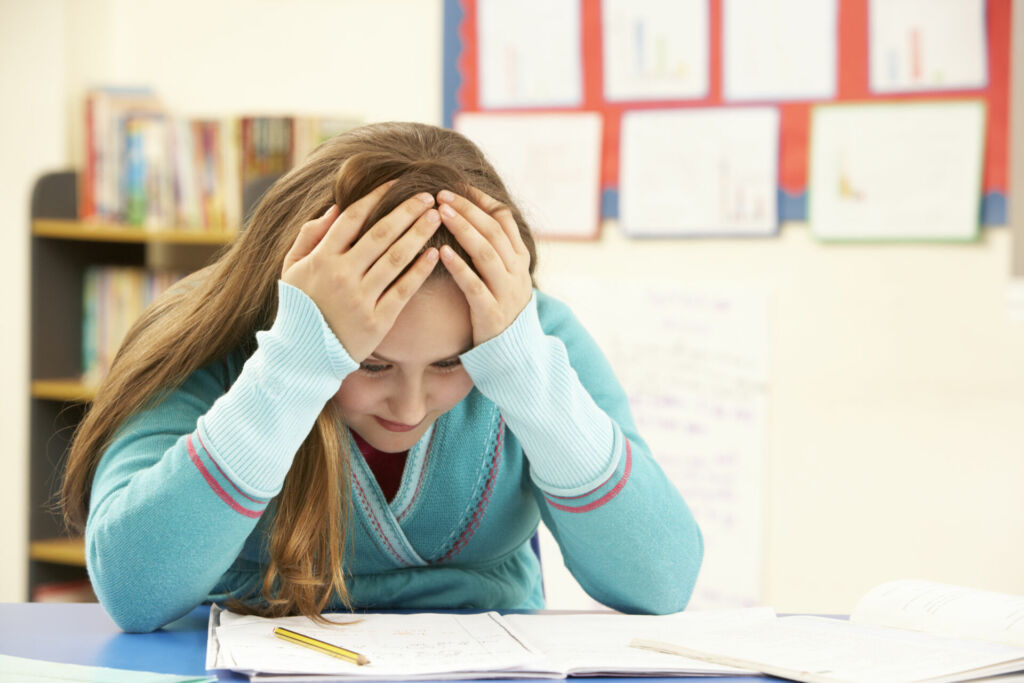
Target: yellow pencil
<point x="321" y="646"/>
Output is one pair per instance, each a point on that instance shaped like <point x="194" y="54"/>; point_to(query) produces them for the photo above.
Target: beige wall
<point x="32" y="139"/>
<point x="896" y="433"/>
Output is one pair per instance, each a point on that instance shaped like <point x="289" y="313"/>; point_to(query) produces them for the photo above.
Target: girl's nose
<point x="409" y="404"/>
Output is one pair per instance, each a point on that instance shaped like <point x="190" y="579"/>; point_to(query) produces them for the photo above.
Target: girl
<point x="364" y="403"/>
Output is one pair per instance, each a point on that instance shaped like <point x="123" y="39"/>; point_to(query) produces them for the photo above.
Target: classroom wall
<point x="896" y="401"/>
<point x="896" y="423"/>
<point x="32" y="138"/>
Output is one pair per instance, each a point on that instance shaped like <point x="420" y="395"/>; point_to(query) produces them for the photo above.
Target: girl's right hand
<point x="353" y="282"/>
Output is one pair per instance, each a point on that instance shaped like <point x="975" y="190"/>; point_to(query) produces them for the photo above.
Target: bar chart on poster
<point x="624" y="61"/>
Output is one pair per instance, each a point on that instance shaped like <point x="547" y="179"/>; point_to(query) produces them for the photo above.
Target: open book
<point x="903" y="631"/>
<point x="425" y="646"/>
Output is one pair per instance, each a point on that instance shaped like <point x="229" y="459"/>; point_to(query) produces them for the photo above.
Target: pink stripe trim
<point x="606" y="497"/>
<point x="217" y="488"/>
<point x="226" y="477"/>
<point x="419" y="481"/>
<point x="368" y="509"/>
<point x="485" y="499"/>
<point x="583" y="495"/>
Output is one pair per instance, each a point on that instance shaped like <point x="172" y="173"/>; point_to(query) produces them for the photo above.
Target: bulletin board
<point x="462" y="93"/>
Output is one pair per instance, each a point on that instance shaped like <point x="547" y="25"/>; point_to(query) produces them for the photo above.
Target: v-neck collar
<point x="474" y="462"/>
<point x="384" y="516"/>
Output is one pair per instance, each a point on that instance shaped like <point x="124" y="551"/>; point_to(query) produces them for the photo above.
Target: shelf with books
<point x="69" y="551"/>
<point x="112" y="232"/>
<point x="157" y="198"/>
<point x="144" y="165"/>
<point x="88" y="282"/>
<point x="68" y="390"/>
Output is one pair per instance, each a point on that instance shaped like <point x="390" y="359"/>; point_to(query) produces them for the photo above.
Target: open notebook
<point x="903" y="631"/>
<point x="425" y="646"/>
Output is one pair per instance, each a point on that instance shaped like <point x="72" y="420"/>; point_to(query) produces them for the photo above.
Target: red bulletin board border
<point x="852" y="85"/>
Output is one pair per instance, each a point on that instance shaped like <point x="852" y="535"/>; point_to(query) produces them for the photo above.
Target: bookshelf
<point x="108" y="232"/>
<point x="67" y="389"/>
<point x="62" y="247"/>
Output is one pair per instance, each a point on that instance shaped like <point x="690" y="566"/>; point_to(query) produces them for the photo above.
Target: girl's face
<point x="415" y="375"/>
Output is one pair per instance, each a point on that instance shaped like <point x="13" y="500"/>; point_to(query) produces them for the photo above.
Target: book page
<point x="942" y="608"/>
<point x="599" y="644"/>
<point x="820" y="649"/>
<point x="399" y="646"/>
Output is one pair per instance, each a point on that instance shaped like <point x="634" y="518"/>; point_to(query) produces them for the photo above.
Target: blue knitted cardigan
<point x="183" y="498"/>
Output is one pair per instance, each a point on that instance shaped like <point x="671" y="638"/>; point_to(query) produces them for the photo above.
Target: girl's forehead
<point x="434" y="325"/>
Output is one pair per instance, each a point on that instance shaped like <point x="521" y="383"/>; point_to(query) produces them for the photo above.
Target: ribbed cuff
<point x="254" y="430"/>
<point x="568" y="440"/>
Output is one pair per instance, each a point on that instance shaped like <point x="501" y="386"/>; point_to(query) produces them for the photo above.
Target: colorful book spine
<point x="145" y="168"/>
<point x="134" y="179"/>
<point x="113" y="298"/>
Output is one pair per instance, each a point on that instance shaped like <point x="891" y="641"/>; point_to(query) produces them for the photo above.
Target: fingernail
<point x="445" y="196"/>
<point x="432" y="255"/>
<point x="446" y="253"/>
<point x="433" y="216"/>
<point x="447" y="210"/>
<point x="425" y="197"/>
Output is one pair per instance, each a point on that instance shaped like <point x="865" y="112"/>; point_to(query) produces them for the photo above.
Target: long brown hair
<point x="221" y="307"/>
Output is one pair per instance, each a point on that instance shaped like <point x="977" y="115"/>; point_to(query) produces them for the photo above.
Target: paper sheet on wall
<point x="906" y="171"/>
<point x="694" y="361"/>
<point x="1015" y="300"/>
<point x="529" y="53"/>
<point x="655" y="49"/>
<point x="699" y="172"/>
<point x="927" y="45"/>
<point x="551" y="163"/>
<point x="784" y="49"/>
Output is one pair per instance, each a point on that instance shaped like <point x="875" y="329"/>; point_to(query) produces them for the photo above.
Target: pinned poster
<point x="655" y="49"/>
<point x="920" y="45"/>
<point x="529" y="53"/>
<point x="900" y="171"/>
<point x="779" y="50"/>
<point x="699" y="172"/>
<point x="695" y="362"/>
<point x="551" y="163"/>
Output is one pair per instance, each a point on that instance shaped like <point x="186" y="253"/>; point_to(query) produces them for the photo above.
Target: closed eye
<point x="377" y="368"/>
<point x="448" y="364"/>
<point x="373" y="368"/>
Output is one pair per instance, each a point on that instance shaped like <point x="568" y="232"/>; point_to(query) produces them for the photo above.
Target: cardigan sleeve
<point x="184" y="483"/>
<point x="625" y="532"/>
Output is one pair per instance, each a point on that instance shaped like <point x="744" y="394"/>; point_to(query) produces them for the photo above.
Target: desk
<point x="84" y="634"/>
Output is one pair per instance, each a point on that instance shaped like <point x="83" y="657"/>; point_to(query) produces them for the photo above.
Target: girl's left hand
<point x="487" y="231"/>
